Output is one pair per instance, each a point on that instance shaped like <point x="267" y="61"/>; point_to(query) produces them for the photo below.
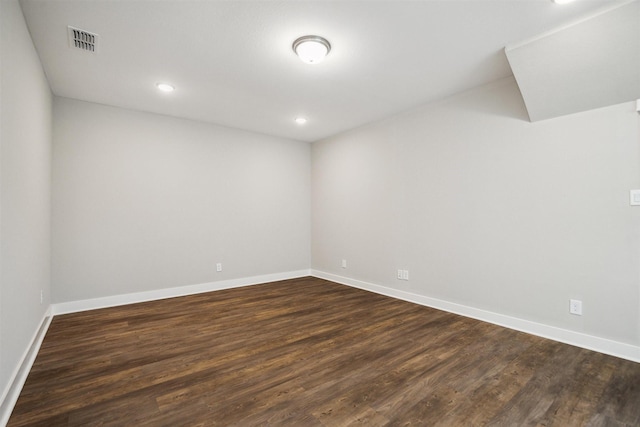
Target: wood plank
<point x="308" y="352"/>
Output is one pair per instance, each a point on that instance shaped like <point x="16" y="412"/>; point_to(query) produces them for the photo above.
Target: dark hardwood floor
<point x="308" y="352"/>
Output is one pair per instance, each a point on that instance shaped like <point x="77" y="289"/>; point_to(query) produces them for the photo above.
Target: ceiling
<point x="232" y="63"/>
<point x="590" y="64"/>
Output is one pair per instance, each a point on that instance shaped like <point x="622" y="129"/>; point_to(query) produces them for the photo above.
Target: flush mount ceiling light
<point x="311" y="49"/>
<point x="165" y="87"/>
<point x="562" y="1"/>
<point x="301" y="120"/>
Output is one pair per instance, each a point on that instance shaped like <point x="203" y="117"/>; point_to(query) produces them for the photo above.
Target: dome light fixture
<point x="165" y="87"/>
<point x="311" y="49"/>
<point x="301" y="120"/>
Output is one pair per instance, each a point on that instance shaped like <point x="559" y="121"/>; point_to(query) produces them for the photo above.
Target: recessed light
<point x="562" y="1"/>
<point x="301" y="120"/>
<point x="311" y="49"/>
<point x="165" y="87"/>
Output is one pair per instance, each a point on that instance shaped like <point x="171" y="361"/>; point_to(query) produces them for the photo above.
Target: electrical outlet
<point x="344" y="263"/>
<point x="399" y="274"/>
<point x="403" y="275"/>
<point x="219" y="267"/>
<point x="575" y="307"/>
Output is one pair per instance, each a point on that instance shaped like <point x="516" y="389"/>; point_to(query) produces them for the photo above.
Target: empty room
<point x="320" y="213"/>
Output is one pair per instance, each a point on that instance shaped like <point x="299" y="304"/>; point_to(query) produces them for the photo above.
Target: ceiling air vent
<point x="83" y="40"/>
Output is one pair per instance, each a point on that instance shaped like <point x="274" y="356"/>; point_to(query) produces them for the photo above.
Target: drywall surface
<point x="144" y="202"/>
<point x="25" y="182"/>
<point x="488" y="210"/>
<point x="590" y="64"/>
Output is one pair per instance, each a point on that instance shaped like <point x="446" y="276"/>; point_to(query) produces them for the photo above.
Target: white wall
<point x="488" y="210"/>
<point x="144" y="202"/>
<point x="25" y="181"/>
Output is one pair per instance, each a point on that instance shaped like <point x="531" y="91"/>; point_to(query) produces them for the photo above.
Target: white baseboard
<point x="602" y="345"/>
<point x="11" y="393"/>
<point x="116" y="300"/>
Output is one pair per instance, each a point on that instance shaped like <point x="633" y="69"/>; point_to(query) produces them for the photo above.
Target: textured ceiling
<point x="232" y="63"/>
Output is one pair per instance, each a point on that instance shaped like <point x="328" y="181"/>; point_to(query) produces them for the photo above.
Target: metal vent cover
<point x="83" y="40"/>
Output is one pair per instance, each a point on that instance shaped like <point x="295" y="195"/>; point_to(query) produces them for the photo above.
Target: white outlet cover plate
<point x="575" y="306"/>
<point x="634" y="197"/>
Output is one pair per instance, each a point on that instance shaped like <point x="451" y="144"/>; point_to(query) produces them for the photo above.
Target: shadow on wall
<point x="503" y="101"/>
